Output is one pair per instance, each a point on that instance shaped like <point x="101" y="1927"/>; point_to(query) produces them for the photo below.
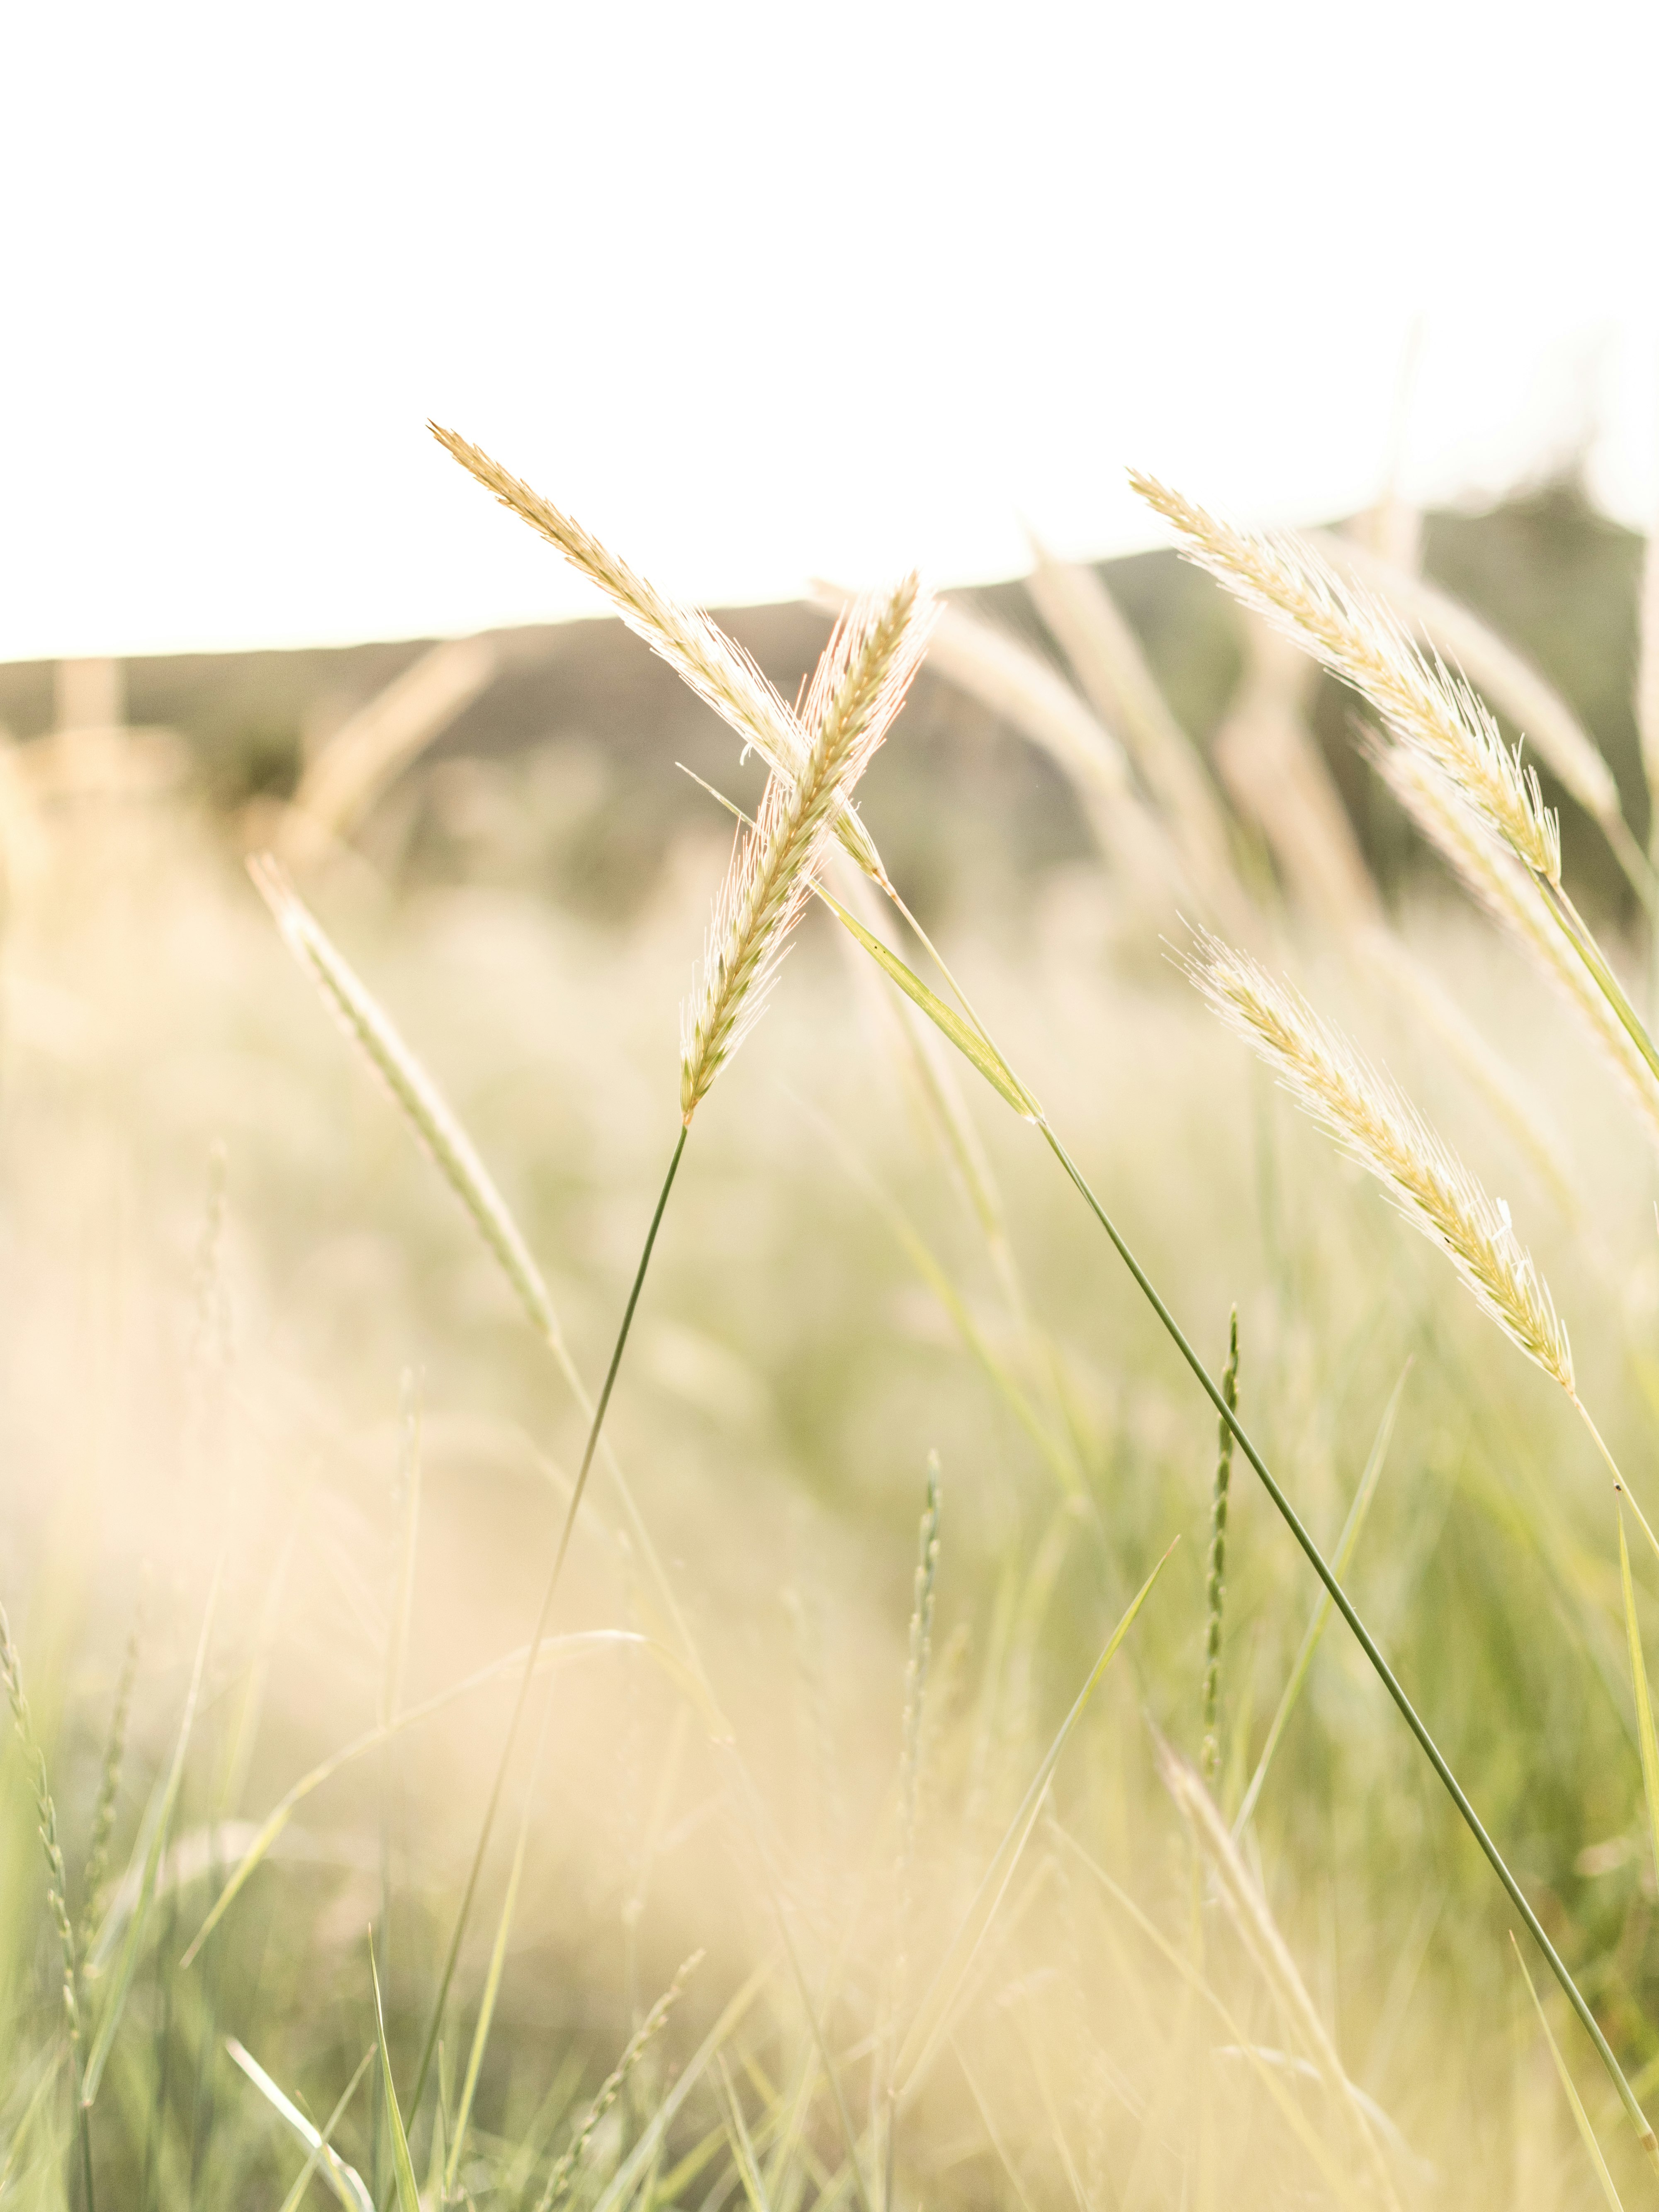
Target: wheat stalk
<point x="859" y="686"/>
<point x="1428" y="709"/>
<point x="1378" y="1125"/>
<point x="715" y="667"/>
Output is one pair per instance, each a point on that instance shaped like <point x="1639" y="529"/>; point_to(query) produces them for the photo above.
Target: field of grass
<point x="818" y="1743"/>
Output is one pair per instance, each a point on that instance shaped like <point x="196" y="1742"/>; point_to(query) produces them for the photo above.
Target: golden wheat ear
<point x="1425" y="707"/>
<point x="859" y="687"/>
<point x="1378" y="1125"/>
<point x="713" y="664"/>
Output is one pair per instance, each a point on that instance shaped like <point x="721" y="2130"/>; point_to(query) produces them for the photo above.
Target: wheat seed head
<point x="714" y="665"/>
<point x="717" y="669"/>
<point x="1428" y="709"/>
<point x="1374" y="1120"/>
<point x="858" y="688"/>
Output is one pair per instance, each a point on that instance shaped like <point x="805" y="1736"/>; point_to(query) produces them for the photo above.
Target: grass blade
<point x="568" y="2165"/>
<point x="970" y="1040"/>
<point x="497" y="1962"/>
<point x="620" y="2189"/>
<point x="126" y="1964"/>
<point x="1587" y="2134"/>
<point x="344" y="2180"/>
<point x="1345" y="1545"/>
<point x="932" y="2022"/>
<point x="1247" y="1910"/>
<point x="744" y="2149"/>
<point x="323" y="2149"/>
<point x="356" y="1007"/>
<point x="1638" y="1676"/>
<point x="409" y="2196"/>
<point x="1368" y="1645"/>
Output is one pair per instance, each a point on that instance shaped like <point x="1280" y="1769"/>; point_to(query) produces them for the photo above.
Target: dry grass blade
<point x="1512" y="898"/>
<point x="1089" y="627"/>
<point x="932" y="2021"/>
<point x="366" y="1021"/>
<point x="1289" y="2107"/>
<point x="719" y="670"/>
<point x="1581" y="2118"/>
<point x="1425" y="1001"/>
<point x="372" y="750"/>
<point x="1247" y="1910"/>
<point x="858" y="688"/>
<point x="1422" y="704"/>
<point x="1277" y="775"/>
<point x="1380" y="1127"/>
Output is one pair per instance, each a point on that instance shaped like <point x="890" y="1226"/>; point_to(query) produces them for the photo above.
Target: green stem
<point x="539" y="1637"/>
<point x="1385" y="1673"/>
<point x="1576" y="931"/>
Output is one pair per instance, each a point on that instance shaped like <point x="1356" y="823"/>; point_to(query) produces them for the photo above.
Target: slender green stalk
<point x="1578" y="934"/>
<point x="538" y="1635"/>
<point x="1218" y="1582"/>
<point x="1340" y="1598"/>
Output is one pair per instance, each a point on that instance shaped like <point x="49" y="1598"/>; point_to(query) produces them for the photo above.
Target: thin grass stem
<point x="1362" y="1636"/>
<point x="1217" y="1591"/>
<point x="435" y="2025"/>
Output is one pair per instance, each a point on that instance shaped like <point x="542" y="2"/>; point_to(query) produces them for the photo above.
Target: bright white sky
<point x="762" y="291"/>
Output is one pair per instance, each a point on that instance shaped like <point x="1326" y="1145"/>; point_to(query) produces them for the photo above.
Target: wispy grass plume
<point x="1424" y="705"/>
<point x="859" y="687"/>
<point x="1378" y="1125"/>
<point x="715" y="667"/>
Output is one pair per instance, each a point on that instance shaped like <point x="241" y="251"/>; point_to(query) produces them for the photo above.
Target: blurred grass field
<point x="257" y="1360"/>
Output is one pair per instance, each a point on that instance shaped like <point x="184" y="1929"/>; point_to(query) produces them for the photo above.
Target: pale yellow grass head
<point x="1378" y="1125"/>
<point x="1425" y="708"/>
<point x="858" y="688"/>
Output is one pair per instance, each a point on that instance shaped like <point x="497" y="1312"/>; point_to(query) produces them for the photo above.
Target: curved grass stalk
<point x="932" y="2023"/>
<point x="859" y="687"/>
<point x="1581" y="2118"/>
<point x="435" y="2025"/>
<point x="1008" y="1084"/>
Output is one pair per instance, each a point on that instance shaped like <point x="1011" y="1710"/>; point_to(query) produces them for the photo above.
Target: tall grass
<point x="976" y="1927"/>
